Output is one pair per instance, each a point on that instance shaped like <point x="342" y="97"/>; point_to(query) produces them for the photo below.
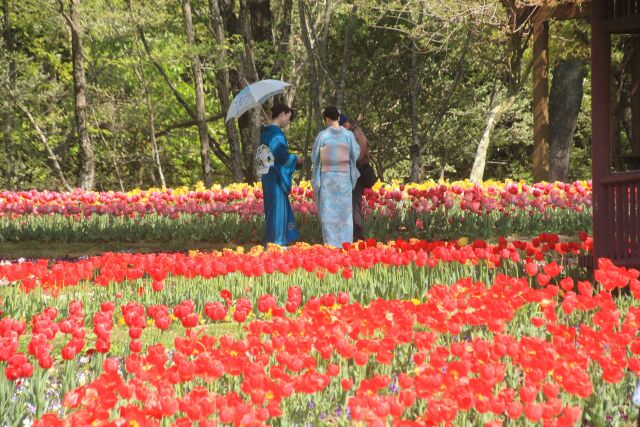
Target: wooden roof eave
<point x="622" y="25"/>
<point x="561" y="11"/>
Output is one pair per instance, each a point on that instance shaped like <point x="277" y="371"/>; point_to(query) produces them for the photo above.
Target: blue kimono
<point x="334" y="176"/>
<point x="279" y="225"/>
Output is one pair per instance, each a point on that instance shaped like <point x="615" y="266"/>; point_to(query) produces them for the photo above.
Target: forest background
<point x="117" y="94"/>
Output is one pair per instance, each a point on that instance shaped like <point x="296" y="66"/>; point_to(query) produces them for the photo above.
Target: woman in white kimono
<point x="334" y="176"/>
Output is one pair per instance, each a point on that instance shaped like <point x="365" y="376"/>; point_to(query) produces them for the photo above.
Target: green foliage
<point x="440" y="224"/>
<point x="462" y="60"/>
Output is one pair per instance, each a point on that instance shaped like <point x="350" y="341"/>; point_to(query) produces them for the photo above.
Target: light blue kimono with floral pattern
<point x="334" y="176"/>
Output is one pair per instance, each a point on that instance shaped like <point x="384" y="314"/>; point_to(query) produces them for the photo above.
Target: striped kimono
<point x="334" y="176"/>
<point x="279" y="225"/>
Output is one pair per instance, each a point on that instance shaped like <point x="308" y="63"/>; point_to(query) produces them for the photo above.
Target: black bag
<point x="368" y="177"/>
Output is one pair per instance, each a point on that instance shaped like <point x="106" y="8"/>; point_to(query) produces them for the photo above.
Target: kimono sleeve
<point x="353" y="158"/>
<point x="280" y="150"/>
<point x="317" y="169"/>
<point x="285" y="163"/>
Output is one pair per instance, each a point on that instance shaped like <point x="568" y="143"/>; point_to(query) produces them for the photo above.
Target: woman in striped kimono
<point x="276" y="166"/>
<point x="335" y="174"/>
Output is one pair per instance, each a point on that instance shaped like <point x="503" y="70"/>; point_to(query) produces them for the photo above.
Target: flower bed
<point x="235" y="214"/>
<point x="403" y="333"/>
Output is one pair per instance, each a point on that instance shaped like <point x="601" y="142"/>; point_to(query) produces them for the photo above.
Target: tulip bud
<point x="110" y="366"/>
<point x="135" y="345"/>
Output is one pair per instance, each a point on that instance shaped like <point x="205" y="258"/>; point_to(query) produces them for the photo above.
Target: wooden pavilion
<point x="616" y="195"/>
<point x="616" y="216"/>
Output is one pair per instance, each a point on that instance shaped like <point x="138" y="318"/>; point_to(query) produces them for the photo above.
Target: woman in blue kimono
<point x="334" y="176"/>
<point x="276" y="165"/>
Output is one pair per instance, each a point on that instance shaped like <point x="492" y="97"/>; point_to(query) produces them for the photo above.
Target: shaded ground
<point x="31" y="250"/>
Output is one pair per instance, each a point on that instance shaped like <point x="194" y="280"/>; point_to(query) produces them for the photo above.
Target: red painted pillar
<point x="600" y="125"/>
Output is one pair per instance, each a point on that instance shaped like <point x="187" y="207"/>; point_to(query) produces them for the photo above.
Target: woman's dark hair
<point x="331" y="113"/>
<point x="278" y="109"/>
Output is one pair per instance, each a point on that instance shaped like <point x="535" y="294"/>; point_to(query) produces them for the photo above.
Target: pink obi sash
<point x="334" y="157"/>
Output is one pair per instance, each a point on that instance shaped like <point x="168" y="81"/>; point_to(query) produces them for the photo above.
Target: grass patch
<point x="150" y="336"/>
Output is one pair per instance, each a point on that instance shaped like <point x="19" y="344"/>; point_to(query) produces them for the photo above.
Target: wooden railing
<point x="622" y="237"/>
<point x="620" y="8"/>
<point x="623" y="16"/>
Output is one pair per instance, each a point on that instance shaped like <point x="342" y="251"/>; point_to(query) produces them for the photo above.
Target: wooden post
<point x="600" y="125"/>
<point x="541" y="101"/>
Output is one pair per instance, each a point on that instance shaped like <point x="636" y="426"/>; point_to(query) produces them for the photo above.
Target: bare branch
<point x="43" y="138"/>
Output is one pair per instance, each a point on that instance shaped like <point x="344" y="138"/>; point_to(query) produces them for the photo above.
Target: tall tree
<point x="86" y="157"/>
<point x="315" y="89"/>
<point x="315" y="85"/>
<point x="7" y="33"/>
<point x="346" y="57"/>
<point x="140" y="72"/>
<point x="513" y="79"/>
<point x="415" y="175"/>
<point x="223" y="85"/>
<point x="134" y="96"/>
<point x="249" y="122"/>
<point x="282" y="38"/>
<point x="213" y="143"/>
<point x="196" y="68"/>
<point x="565" y="100"/>
<point x="261" y="20"/>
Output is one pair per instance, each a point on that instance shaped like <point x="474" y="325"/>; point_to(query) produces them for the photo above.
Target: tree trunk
<point x="617" y="105"/>
<point x="155" y="152"/>
<point x="314" y="81"/>
<point x="324" y="75"/>
<point x="326" y="22"/>
<point x="154" y="142"/>
<point x="224" y="89"/>
<point x="249" y="122"/>
<point x="141" y="76"/>
<point x="565" y="101"/>
<point x="514" y="83"/>
<point x="203" y="133"/>
<point x="8" y="115"/>
<point x="477" y="171"/>
<point x="261" y="27"/>
<point x="250" y="70"/>
<point x="231" y="21"/>
<point x="346" y="56"/>
<point x="239" y="77"/>
<point x="416" y="164"/>
<point x="308" y="140"/>
<point x="86" y="156"/>
<point x="283" y="40"/>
